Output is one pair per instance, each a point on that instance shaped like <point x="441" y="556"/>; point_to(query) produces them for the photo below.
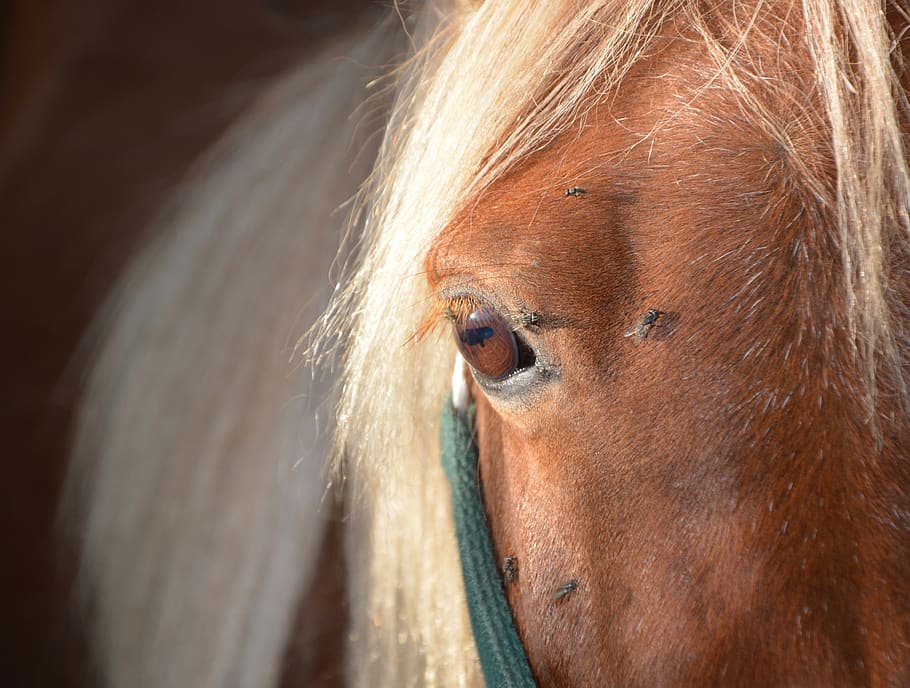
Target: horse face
<point x="654" y="461"/>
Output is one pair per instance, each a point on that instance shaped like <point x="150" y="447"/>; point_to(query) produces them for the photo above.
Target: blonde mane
<point x="488" y="87"/>
<point x="195" y="489"/>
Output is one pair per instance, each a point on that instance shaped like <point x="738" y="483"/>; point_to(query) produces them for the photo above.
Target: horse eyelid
<point x="454" y="307"/>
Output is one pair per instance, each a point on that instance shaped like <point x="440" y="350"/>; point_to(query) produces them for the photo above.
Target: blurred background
<point x="104" y="106"/>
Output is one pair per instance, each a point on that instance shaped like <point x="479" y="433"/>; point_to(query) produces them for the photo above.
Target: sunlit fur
<point x="493" y="86"/>
<point x="198" y="484"/>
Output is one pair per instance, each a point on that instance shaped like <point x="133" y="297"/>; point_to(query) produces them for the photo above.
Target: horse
<point x="670" y="238"/>
<point x="671" y="241"/>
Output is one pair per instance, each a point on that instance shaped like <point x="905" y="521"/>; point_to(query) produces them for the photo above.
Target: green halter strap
<point x="502" y="656"/>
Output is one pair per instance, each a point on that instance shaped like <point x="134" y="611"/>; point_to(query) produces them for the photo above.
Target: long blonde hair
<point x="199" y="463"/>
<point x="492" y="85"/>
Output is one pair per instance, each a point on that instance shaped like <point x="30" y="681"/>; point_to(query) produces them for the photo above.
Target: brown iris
<point x="487" y="343"/>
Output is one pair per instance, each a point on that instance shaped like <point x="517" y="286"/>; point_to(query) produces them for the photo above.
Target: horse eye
<point x="487" y="343"/>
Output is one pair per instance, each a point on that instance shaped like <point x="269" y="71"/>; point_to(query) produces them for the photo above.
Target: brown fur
<point x="717" y="489"/>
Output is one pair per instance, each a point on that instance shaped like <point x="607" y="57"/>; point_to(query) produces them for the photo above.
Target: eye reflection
<point x="487" y="343"/>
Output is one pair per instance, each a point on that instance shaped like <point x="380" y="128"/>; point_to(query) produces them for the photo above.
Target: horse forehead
<point x="554" y="203"/>
<point x="526" y="217"/>
<point x="573" y="198"/>
<point x="659" y="133"/>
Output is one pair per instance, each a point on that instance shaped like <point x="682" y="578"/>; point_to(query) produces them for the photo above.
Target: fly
<point x="509" y="569"/>
<point x="566" y="589"/>
<point x="643" y="325"/>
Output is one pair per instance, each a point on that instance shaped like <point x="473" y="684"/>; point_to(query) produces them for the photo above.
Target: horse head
<point x="692" y="469"/>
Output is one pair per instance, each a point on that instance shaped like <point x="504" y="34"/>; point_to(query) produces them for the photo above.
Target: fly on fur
<point x="643" y="325"/>
<point x="509" y="569"/>
<point x="566" y="589"/>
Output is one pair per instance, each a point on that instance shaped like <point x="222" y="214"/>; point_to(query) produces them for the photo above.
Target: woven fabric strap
<point x="502" y="656"/>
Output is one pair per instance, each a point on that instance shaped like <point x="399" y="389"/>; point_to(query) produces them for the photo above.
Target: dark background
<point x="104" y="104"/>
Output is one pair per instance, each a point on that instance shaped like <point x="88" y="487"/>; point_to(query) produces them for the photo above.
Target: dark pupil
<point x="487" y="343"/>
